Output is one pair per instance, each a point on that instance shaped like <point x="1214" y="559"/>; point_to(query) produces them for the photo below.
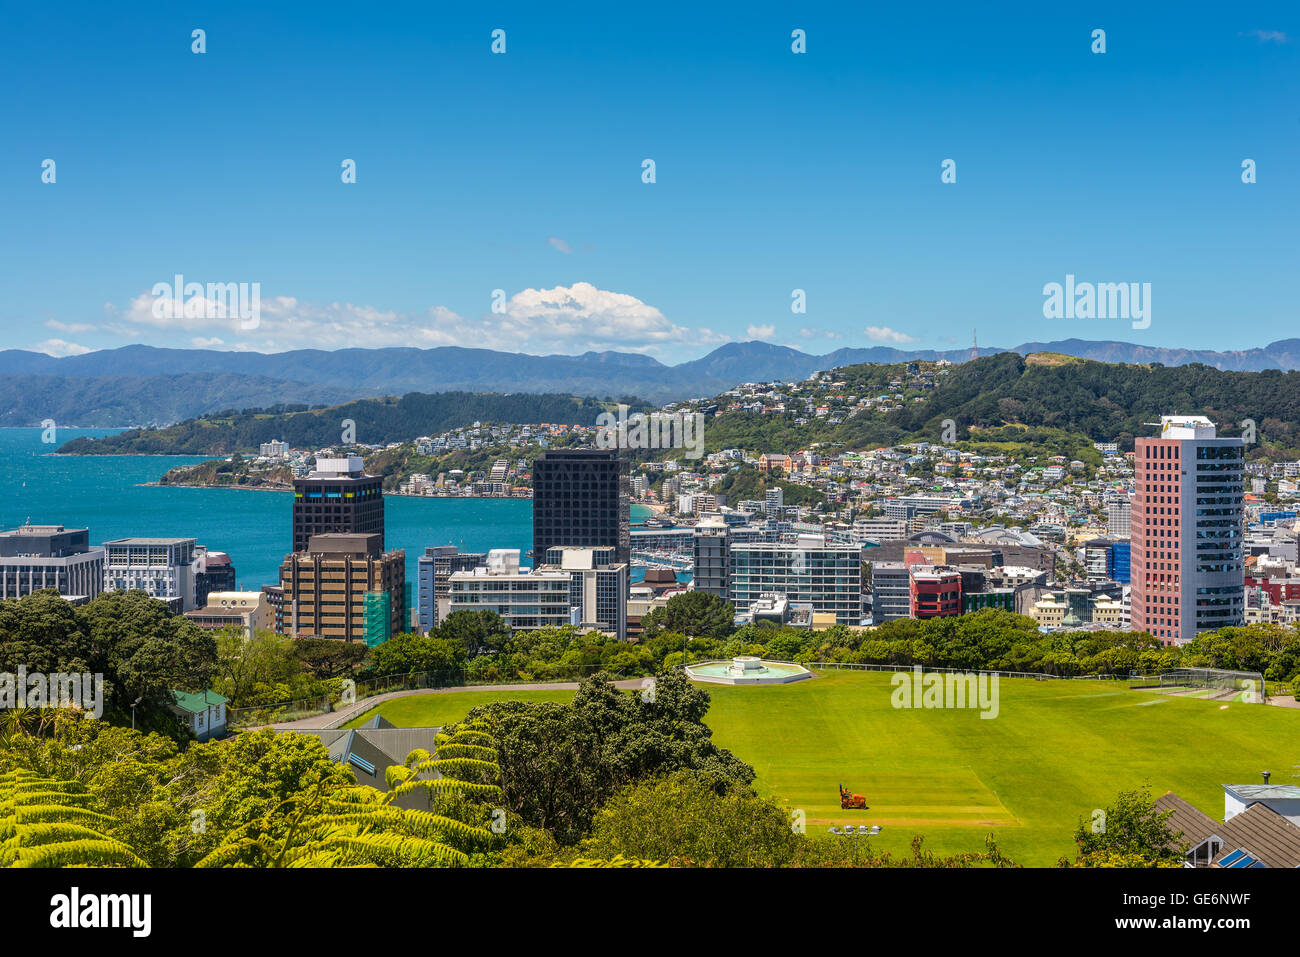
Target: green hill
<point x="376" y="422"/>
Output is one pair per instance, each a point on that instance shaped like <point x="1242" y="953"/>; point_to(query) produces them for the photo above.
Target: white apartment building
<point x="524" y="598"/>
<point x="164" y="568"/>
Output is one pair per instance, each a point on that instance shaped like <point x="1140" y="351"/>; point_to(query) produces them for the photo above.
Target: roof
<point x="1195" y="825"/>
<point x="371" y="750"/>
<point x="196" y="701"/>
<point x="1265" y="792"/>
<point x="1266" y="835"/>
<point x="150" y="541"/>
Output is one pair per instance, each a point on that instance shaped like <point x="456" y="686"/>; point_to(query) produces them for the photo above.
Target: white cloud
<point x="760" y="332"/>
<point x="819" y="334"/>
<point x="557" y="243"/>
<point x="201" y="342"/>
<point x="886" y="334"/>
<point x="1267" y="36"/>
<point x="565" y="319"/>
<point x="59" y="348"/>
<point x="72" y="328"/>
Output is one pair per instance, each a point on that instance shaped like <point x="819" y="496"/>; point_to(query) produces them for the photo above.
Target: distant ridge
<point x="316" y="376"/>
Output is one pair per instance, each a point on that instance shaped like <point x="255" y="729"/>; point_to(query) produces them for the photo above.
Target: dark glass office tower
<point x="337" y="498"/>
<point x="580" y="498"/>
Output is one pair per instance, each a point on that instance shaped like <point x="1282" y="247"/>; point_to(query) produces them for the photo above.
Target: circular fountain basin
<point x="747" y="670"/>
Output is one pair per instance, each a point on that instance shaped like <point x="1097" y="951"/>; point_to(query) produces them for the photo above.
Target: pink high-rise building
<point x="1186" y="530"/>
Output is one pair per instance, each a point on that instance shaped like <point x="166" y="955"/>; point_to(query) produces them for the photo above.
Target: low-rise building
<point x="36" y="557"/>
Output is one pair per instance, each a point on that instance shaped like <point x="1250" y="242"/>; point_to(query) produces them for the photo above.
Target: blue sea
<point x="107" y="494"/>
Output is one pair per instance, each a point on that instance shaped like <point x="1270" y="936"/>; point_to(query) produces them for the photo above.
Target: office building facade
<point x="809" y="572"/>
<point x="35" y="557"/>
<point x="523" y="597"/>
<point x="711" y="543"/>
<point x="1186" y="555"/>
<point x="598" y="587"/>
<point x="891" y="592"/>
<point x="934" y="591"/>
<point x="164" y="568"/>
<point x="580" y="497"/>
<point x="337" y="497"/>
<point x="1117" y="518"/>
<point x="434" y="570"/>
<point x="345" y="587"/>
<point x="216" y="574"/>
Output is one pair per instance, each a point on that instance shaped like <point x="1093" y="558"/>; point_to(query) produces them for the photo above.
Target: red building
<point x="1186" y="531"/>
<point x="1277" y="589"/>
<point x="936" y="591"/>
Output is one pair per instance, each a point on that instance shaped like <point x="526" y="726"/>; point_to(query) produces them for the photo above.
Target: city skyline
<point x="499" y="199"/>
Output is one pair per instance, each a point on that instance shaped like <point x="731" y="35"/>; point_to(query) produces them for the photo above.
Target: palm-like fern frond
<point x="49" y="823"/>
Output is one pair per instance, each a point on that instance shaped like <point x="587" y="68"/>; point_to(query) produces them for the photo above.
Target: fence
<point x="844" y="665"/>
<point x="1215" y="682"/>
<point x="284" y="711"/>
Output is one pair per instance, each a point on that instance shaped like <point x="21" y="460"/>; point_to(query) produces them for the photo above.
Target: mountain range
<point x="145" y="385"/>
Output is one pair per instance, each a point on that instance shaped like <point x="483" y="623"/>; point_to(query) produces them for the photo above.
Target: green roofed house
<point x="203" y="712"/>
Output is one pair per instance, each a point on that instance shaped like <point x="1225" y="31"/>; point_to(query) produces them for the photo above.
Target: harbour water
<point x="108" y="495"/>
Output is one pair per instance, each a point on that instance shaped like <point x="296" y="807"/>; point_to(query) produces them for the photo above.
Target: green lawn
<point x="1056" y="751"/>
<point x="435" y="710"/>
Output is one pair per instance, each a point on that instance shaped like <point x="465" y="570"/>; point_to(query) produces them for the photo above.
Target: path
<point x="334" y="719"/>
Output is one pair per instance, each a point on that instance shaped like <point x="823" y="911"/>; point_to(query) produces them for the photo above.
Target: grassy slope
<point x="435" y="710"/>
<point x="1057" y="750"/>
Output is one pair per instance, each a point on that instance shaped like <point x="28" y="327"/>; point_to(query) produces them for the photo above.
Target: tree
<point x="1131" y="830"/>
<point x="329" y="658"/>
<point x="139" y="647"/>
<point x="332" y="822"/>
<point x="481" y="632"/>
<point x="407" y="653"/>
<point x="695" y="614"/>
<point x="149" y="651"/>
<point x="679" y="819"/>
<point x="560" y="762"/>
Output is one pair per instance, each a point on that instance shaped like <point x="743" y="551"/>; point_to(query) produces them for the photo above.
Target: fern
<point x="47" y="823"/>
<point x="358" y="826"/>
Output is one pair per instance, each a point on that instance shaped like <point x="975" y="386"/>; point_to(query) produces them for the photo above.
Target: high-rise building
<point x="1186" y="555"/>
<point x="1117" y="517"/>
<point x="165" y="568"/>
<point x="435" y="568"/>
<point x="344" y="586"/>
<point x="34" y="557"/>
<point x="807" y="572"/>
<point x="337" y="497"/>
<point x="891" y="592"/>
<point x="580" y="498"/>
<point x="711" y="540"/>
<point x="1119" y="562"/>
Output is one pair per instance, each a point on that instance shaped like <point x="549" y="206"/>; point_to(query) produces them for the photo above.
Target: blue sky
<point x="522" y="172"/>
